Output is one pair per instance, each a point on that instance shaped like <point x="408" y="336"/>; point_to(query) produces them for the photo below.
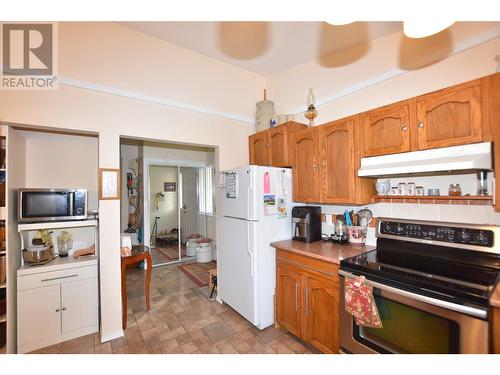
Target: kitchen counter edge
<point x="323" y="250"/>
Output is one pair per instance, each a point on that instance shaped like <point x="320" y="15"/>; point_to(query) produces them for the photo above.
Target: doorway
<point x="164" y="215"/>
<point x="170" y="198"/>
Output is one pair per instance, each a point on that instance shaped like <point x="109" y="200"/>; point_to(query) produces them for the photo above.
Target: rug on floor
<point x="172" y="253"/>
<point x="158" y="257"/>
<point x="198" y="272"/>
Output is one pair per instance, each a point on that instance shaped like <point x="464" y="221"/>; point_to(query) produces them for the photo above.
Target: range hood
<point x="471" y="157"/>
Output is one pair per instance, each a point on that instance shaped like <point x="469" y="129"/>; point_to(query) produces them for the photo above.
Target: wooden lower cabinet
<point x="495" y="330"/>
<point x="307" y="302"/>
<point x="288" y="290"/>
<point x="322" y="318"/>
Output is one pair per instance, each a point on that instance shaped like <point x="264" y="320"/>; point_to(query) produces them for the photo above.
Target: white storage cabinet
<point x="56" y="306"/>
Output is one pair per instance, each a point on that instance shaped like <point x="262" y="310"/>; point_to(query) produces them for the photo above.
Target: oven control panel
<point x="455" y="235"/>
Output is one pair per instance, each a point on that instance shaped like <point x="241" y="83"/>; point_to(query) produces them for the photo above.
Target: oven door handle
<point x="478" y="313"/>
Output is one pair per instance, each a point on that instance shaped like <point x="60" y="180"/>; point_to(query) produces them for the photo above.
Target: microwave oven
<point x="39" y="205"/>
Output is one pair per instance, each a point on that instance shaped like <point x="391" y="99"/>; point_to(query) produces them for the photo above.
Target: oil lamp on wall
<point x="311" y="111"/>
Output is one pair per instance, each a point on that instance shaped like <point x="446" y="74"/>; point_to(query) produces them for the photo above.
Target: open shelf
<point x="3" y="318"/>
<point x="472" y="200"/>
<point x="4" y="285"/>
<point x="57" y="224"/>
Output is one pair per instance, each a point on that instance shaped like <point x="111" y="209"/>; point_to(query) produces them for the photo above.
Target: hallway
<point x="182" y="320"/>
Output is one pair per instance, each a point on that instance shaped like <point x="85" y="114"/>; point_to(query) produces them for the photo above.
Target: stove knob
<point x="465" y="236"/>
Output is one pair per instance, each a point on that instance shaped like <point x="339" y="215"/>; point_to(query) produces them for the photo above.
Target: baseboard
<point x="112" y="336"/>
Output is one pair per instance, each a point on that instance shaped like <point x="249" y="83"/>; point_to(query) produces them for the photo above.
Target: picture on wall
<point x="109" y="183"/>
<point x="170" y="187"/>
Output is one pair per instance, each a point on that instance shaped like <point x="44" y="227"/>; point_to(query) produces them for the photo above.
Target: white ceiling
<point x="265" y="47"/>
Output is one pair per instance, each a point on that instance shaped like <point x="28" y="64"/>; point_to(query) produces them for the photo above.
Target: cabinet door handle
<point x="296" y="296"/>
<point x="404" y="128"/>
<point x="59" y="278"/>
<point x="64" y="309"/>
<point x="307" y="301"/>
<point x="420" y="125"/>
<point x="57" y="310"/>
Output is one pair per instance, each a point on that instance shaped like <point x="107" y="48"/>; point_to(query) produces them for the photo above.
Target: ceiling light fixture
<point x="340" y="21"/>
<point x="419" y="29"/>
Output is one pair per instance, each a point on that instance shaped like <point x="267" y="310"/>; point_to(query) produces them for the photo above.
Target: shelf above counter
<point x="472" y="200"/>
<point x="58" y="264"/>
<point x="57" y="224"/>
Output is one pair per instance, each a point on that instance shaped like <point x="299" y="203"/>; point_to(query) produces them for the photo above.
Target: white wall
<point x="389" y="69"/>
<point x="62" y="161"/>
<point x="168" y="209"/>
<point x="118" y="82"/>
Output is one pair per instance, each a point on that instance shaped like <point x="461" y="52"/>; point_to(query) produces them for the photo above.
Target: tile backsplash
<point x="436" y="212"/>
<point x="433" y="212"/>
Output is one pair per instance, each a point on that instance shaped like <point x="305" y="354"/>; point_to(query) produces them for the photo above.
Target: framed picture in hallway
<point x="170" y="187"/>
<point x="109" y="183"/>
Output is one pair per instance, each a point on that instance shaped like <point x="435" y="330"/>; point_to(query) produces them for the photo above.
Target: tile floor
<point x="182" y="320"/>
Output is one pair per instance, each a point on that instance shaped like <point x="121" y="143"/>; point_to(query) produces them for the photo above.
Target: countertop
<point x="58" y="264"/>
<point x="323" y="250"/>
<point x="495" y="296"/>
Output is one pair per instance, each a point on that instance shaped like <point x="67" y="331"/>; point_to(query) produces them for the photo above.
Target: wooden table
<point x="139" y="253"/>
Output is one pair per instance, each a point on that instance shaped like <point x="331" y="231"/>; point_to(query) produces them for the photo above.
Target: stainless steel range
<point x="431" y="283"/>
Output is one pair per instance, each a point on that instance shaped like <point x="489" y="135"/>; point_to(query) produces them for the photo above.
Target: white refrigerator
<point x="255" y="206"/>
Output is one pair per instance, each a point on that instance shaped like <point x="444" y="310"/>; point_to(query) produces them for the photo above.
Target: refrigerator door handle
<point x="249" y="198"/>
<point x="249" y="247"/>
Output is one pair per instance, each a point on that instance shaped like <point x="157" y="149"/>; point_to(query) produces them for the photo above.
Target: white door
<point x="79" y="304"/>
<point x="237" y="197"/>
<point x="237" y="274"/>
<point x="38" y="314"/>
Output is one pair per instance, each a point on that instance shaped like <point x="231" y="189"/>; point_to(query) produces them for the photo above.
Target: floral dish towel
<point x="359" y="302"/>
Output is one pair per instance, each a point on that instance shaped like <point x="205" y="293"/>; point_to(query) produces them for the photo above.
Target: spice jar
<point x="401" y="188"/>
<point x="455" y="190"/>
<point x="411" y="188"/>
<point x="419" y="190"/>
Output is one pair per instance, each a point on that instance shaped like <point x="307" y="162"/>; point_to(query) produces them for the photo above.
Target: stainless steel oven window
<point x="463" y="333"/>
<point x="409" y="330"/>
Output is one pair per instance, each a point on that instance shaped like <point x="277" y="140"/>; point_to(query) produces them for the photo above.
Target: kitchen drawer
<point x="324" y="268"/>
<point x="56" y="277"/>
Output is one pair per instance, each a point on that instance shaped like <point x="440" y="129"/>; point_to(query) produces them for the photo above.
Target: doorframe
<point x="147" y="193"/>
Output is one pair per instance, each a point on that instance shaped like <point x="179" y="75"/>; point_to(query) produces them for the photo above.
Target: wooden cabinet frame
<point x="307" y="299"/>
<point x="273" y="147"/>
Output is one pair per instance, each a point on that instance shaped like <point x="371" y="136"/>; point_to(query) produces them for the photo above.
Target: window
<point x="205" y="191"/>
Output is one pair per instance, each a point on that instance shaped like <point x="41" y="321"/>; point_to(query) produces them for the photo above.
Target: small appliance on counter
<point x="45" y="205"/>
<point x="306" y="223"/>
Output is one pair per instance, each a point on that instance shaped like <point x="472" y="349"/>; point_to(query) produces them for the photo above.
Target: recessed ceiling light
<point x="421" y="29"/>
<point x="339" y="21"/>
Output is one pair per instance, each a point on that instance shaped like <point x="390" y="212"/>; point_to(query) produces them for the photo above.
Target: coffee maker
<point x="306" y="223"/>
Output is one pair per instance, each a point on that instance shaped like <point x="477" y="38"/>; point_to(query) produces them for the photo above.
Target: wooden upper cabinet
<point x="258" y="147"/>
<point x="305" y="167"/>
<point x="288" y="301"/>
<point x="494" y="121"/>
<point x="336" y="162"/>
<point x="279" y="147"/>
<point x="321" y="313"/>
<point x="340" y="145"/>
<point x="387" y="129"/>
<point x="273" y="147"/>
<point x="450" y="117"/>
